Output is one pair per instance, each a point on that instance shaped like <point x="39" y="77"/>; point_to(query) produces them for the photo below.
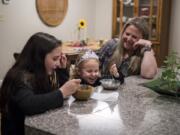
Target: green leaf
<point x="160" y="86"/>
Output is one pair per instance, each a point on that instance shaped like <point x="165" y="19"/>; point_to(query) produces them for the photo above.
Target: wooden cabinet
<point x="157" y="14"/>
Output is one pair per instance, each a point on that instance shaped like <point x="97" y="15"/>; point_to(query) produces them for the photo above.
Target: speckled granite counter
<point x="137" y="111"/>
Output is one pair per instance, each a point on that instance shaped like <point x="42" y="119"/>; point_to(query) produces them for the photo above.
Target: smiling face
<point x="52" y="60"/>
<point x="89" y="70"/>
<point x="130" y="36"/>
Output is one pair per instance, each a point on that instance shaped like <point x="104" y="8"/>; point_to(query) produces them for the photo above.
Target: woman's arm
<point x="31" y="103"/>
<point x="148" y="65"/>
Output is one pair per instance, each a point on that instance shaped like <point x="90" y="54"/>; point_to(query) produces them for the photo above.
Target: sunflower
<point x="82" y="24"/>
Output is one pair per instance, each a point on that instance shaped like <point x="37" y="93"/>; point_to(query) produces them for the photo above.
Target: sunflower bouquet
<point x="82" y="25"/>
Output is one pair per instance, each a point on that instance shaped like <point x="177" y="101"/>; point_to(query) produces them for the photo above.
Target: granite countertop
<point x="130" y="110"/>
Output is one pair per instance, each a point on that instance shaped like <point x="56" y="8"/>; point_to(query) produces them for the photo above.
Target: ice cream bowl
<point x="110" y="84"/>
<point x="83" y="93"/>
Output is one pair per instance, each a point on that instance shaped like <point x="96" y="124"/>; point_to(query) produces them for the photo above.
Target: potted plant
<point x="169" y="81"/>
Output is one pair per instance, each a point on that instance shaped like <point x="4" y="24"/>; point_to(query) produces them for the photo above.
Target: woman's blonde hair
<point x="141" y="24"/>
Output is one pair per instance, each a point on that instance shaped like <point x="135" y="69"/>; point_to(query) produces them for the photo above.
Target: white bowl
<point x="110" y="84"/>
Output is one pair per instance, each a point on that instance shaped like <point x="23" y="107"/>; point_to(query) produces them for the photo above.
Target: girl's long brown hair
<point x="29" y="68"/>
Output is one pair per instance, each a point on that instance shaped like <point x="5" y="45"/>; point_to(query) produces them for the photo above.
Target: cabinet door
<point x="123" y="10"/>
<point x="150" y="9"/>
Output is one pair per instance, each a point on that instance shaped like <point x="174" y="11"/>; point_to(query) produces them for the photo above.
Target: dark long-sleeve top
<point x="26" y="102"/>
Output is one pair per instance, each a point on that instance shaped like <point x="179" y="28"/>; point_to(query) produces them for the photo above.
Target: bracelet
<point x="146" y="48"/>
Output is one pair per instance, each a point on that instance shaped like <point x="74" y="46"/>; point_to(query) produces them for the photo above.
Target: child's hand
<point x="114" y="71"/>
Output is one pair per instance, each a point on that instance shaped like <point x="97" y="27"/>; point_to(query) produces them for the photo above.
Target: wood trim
<point x="121" y="15"/>
<point x="164" y="33"/>
<point x="159" y="21"/>
<point x="136" y="9"/>
<point x="114" y="26"/>
<point x="150" y="17"/>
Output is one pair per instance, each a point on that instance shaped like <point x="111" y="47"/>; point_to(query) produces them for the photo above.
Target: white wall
<point x="103" y="22"/>
<point x="174" y="41"/>
<point x="19" y="20"/>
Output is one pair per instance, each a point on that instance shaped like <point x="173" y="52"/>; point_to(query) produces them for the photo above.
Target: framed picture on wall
<point x="5" y="1"/>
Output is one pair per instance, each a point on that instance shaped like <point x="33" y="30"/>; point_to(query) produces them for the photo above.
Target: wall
<point x="174" y="41"/>
<point x="103" y="22"/>
<point x="19" y="20"/>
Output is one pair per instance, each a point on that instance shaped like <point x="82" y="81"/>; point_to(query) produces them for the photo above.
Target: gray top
<point x="137" y="111"/>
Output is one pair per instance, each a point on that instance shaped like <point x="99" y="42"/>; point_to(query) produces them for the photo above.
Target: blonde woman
<point x="131" y="54"/>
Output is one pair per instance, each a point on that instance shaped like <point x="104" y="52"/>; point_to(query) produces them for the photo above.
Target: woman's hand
<point x="142" y="43"/>
<point x="114" y="71"/>
<point x="70" y="87"/>
<point x="63" y="61"/>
